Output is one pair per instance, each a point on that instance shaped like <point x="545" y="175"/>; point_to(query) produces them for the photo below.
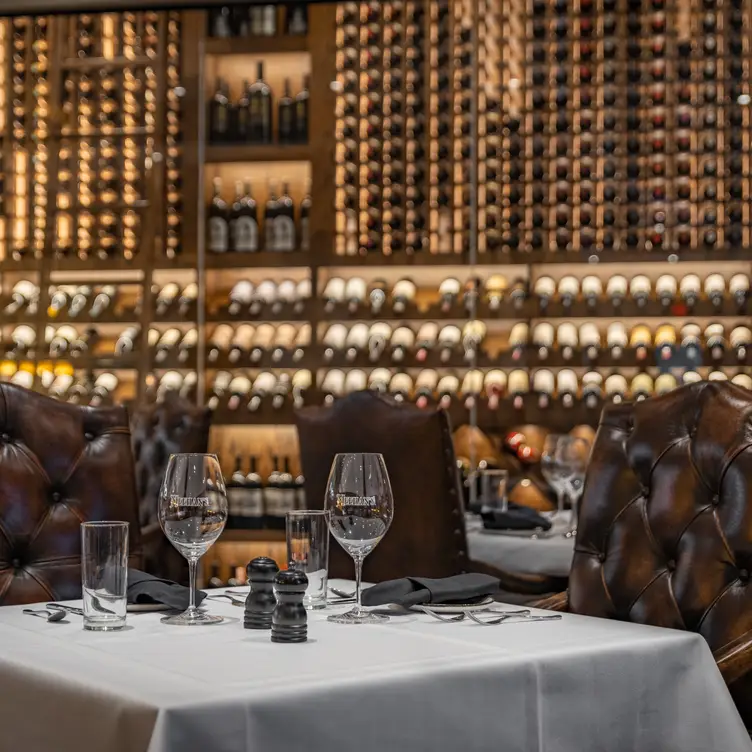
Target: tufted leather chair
<point x="60" y="465"/>
<point x="427" y="535"/>
<point x="665" y="529"/>
<point x="159" y="430"/>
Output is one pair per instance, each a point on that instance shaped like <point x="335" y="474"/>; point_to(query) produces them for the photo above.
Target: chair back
<point x="665" y="528"/>
<point x="160" y="429"/>
<point x="60" y="465"/>
<point x="427" y="535"/>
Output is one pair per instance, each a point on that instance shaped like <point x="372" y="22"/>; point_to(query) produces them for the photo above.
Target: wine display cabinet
<point x="521" y="210"/>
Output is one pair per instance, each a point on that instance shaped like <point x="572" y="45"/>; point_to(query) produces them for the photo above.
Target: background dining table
<point x="548" y="553"/>
<point x="412" y="683"/>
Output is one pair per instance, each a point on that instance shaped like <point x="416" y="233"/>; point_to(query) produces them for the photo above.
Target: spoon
<point x="342" y="593"/>
<point x="56" y="615"/>
<point x="61" y="607"/>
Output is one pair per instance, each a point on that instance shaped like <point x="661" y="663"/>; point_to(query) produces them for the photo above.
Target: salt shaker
<point x="259" y="605"/>
<point x="290" y="620"/>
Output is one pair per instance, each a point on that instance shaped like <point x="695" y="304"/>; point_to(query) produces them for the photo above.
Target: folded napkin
<point x="516" y="517"/>
<point x="411" y="591"/>
<point x="145" y="588"/>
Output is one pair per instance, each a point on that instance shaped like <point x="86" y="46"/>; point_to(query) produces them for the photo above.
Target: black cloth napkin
<point x="516" y="517"/>
<point x="145" y="588"/>
<point x="411" y="591"/>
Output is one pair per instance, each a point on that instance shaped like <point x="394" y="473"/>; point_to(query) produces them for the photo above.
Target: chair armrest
<point x="558" y="602"/>
<point x="513" y="582"/>
<point x="735" y="659"/>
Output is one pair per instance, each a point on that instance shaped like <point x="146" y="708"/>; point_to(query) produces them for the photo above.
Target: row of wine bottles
<point x="244" y="392"/>
<point x="237" y="227"/>
<point x="61" y="382"/>
<point x="255" y="503"/>
<point x="258" y="20"/>
<point x="249" y="120"/>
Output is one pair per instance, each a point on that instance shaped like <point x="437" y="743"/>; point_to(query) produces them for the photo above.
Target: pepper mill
<point x="290" y="620"/>
<point x="259" y="605"/>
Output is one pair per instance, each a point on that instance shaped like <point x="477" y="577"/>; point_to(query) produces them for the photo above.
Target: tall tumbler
<point x="308" y="551"/>
<point x="104" y="574"/>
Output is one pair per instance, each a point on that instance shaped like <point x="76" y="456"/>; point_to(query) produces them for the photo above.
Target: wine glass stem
<point x="192" y="570"/>
<point x="358" y="576"/>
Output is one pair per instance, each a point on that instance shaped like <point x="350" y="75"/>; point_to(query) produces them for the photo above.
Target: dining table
<point x="522" y="551"/>
<point x="577" y="684"/>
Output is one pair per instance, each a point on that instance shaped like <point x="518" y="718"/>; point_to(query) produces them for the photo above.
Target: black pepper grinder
<point x="290" y="620"/>
<point x="260" y="603"/>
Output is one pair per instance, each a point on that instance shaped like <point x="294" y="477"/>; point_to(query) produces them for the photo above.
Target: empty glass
<point x="104" y="574"/>
<point x="554" y="470"/>
<point x="575" y="454"/>
<point x="360" y="505"/>
<point x="493" y="489"/>
<point x="308" y="551"/>
<point x="192" y="513"/>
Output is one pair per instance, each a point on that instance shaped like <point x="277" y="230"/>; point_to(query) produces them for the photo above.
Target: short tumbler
<point x="104" y="574"/>
<point x="308" y="551"/>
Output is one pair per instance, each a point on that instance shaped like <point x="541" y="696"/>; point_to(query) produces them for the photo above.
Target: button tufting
<point x="89" y="436"/>
<point x="16" y="563"/>
<point x="645" y="490"/>
<point x="57" y="497"/>
<point x="601" y="557"/>
<point x="5" y="437"/>
<point x="716" y="500"/>
<point x="743" y="575"/>
<point x="671" y="565"/>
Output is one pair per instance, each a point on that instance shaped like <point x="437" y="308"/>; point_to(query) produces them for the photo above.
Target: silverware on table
<point x="224" y="596"/>
<point x="52" y="615"/>
<point x="522" y="614"/>
<point x="342" y="593"/>
<point x="63" y="607"/>
<point x="506" y="617"/>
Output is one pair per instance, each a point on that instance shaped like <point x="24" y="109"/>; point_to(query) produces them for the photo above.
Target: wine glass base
<point x="201" y="619"/>
<point x="358" y="617"/>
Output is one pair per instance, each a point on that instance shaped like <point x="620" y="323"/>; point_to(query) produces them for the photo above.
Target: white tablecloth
<point x="576" y="685"/>
<point x="551" y="556"/>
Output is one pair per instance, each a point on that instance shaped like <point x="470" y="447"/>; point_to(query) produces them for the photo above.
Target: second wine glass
<point x="360" y="505"/>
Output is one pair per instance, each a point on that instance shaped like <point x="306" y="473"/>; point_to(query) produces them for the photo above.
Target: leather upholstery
<point x="159" y="430"/>
<point x="665" y="528"/>
<point x="60" y="465"/>
<point x="427" y="535"/>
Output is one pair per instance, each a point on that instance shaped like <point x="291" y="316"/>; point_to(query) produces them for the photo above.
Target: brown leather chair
<point x="60" y="465"/>
<point x="427" y="535"/>
<point x="159" y="430"/>
<point x="665" y="528"/>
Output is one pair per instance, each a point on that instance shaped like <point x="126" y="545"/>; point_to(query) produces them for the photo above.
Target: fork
<point x="234" y="601"/>
<point x="510" y="615"/>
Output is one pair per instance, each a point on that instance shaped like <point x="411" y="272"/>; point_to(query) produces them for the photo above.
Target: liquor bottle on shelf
<point x="219" y="341"/>
<point x="494" y="386"/>
<point x="166" y="297"/>
<point x="355" y="381"/>
<point x="286" y="116"/>
<point x="401" y="387"/>
<point x="219" y="22"/>
<point x="334" y="293"/>
<point x="61" y="341"/>
<point x="356" y="341"/>
<point x="715" y="289"/>
<point x="296" y="19"/>
<point x="518" y="339"/>
<point x="739" y="289"/>
<point x="301" y="382"/>
<point x="262" y="341"/>
<point x="545" y="290"/>
<point x="240" y="297"/>
<point x="355" y="293"/>
<point x="126" y="342"/>
<point x="742" y="379"/>
<point x="592" y="289"/>
<point x="616" y="388"/>
<point x="472" y="386"/>
<point x="448" y="341"/>
<point x="284" y="340"/>
<point x="666" y="288"/>
<point x="518" y="293"/>
<point x="403" y="294"/>
<point x="691" y="342"/>
<point x="715" y="340"/>
<point x="446" y="388"/>
<point x="665" y="341"/>
<point x="567" y="339"/>
<point x="473" y="334"/>
<point x="219" y="227"/>
<point x="425" y="386"/>
<point x="219" y="114"/>
<point x="401" y="342"/>
<point x="243" y="220"/>
<point x="103" y="390"/>
<point x="590" y="340"/>
<point x="518" y="385"/>
<point x="280" y="391"/>
<point x="690" y="287"/>
<point x="103" y="300"/>
<point x="642" y="387"/>
<point x="616" y="339"/>
<point x="22" y="296"/>
<point x="569" y="289"/>
<point x="332" y="385"/>
<point x="378" y="336"/>
<point x="334" y="340"/>
<point x="186" y="300"/>
<point x="167" y="344"/>
<point x="239" y="345"/>
<point x="740" y="340"/>
<point x="260" y="99"/>
<point x="300" y="120"/>
<point x="639" y="290"/>
<point x="377" y="295"/>
<point x="58" y="302"/>
<point x="543" y="386"/>
<point x="305" y="212"/>
<point x="449" y="289"/>
<point x="592" y="389"/>
<point x="640" y="340"/>
<point x="616" y="289"/>
<point x="235" y="488"/>
<point x="496" y="287"/>
<point x="425" y="340"/>
<point x="566" y="386"/>
<point x="84" y="342"/>
<point x="241" y="123"/>
<point x="238" y="391"/>
<point x="263" y="297"/>
<point x="220" y="386"/>
<point x="543" y="339"/>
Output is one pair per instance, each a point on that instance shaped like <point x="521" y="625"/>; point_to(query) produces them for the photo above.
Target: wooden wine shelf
<point x="268" y="313"/>
<point x="239" y="153"/>
<point x="256" y="45"/>
<point x="260" y="259"/>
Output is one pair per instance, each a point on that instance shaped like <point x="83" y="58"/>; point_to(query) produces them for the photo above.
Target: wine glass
<point x="192" y="513"/>
<point x="360" y="505"/>
<point x="554" y="470"/>
<point x="575" y="454"/>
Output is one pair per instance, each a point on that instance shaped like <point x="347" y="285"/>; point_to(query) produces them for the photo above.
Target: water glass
<point x="104" y="574"/>
<point x="308" y="551"/>
<point x="493" y="489"/>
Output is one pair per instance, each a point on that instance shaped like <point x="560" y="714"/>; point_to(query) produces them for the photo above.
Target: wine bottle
<point x="543" y="386"/>
<point x="284" y="223"/>
<point x="425" y="386"/>
<point x="715" y="288"/>
<point x="220" y="385"/>
<point x="378" y="336"/>
<point x="305" y="211"/>
<point x="103" y="390"/>
<point x="401" y="387"/>
<point x="494" y="385"/>
<point x="739" y="289"/>
<point x="616" y="289"/>
<point x="590" y="340"/>
<point x="544" y="289"/>
<point x="743" y="380"/>
<point x="333" y="385"/>
<point x="616" y="388"/>
<point x="296" y="20"/>
<point x="665" y="341"/>
<point x="447" y="342"/>
<point x="274" y="498"/>
<point x="58" y="302"/>
<point x="186" y="301"/>
<point x="301" y="382"/>
<point x="262" y="341"/>
<point x="566" y="386"/>
<point x="403" y="294"/>
<point x="642" y="386"/>
<point x="219" y="229"/>
<point x="219" y="114"/>
<point x="402" y="341"/>
<point x="616" y="339"/>
<point x="377" y="295"/>
<point x="264" y="296"/>
<point x="355" y="381"/>
<point x="239" y="345"/>
<point x="640" y="340"/>
<point x="166" y="297"/>
<point x="126" y="342"/>
<point x="22" y="296"/>
<point x="689" y="287"/>
<point x="592" y="289"/>
<point x="334" y="340"/>
<point x="84" y="342"/>
<point x="167" y="344"/>
<point x="715" y="340"/>
<point x="219" y="22"/>
<point x="496" y="287"/>
<point x="569" y="289"/>
<point x="447" y="387"/>
<point x="639" y="290"/>
<point x="286" y="116"/>
<point x="518" y="385"/>
<point x="355" y="293"/>
<point x="543" y="339"/>
<point x="665" y="288"/>
<point x="219" y="341"/>
<point x="235" y="488"/>
<point x="260" y="99"/>
<point x="691" y="342"/>
<point x="241" y="297"/>
<point x="740" y="340"/>
<point x="592" y="390"/>
<point x="242" y="116"/>
<point x="449" y="289"/>
<point x="243" y="220"/>
<point x="378" y="380"/>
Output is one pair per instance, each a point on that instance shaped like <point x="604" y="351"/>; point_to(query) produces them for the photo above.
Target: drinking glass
<point x="192" y="513"/>
<point x="554" y="470"/>
<point x="104" y="574"/>
<point x="493" y="489"/>
<point x="360" y="505"/>
<point x="308" y="551"/>
<point x="575" y="454"/>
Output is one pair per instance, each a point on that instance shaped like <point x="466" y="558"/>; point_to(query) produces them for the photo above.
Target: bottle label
<point x="273" y="502"/>
<point x="253" y="505"/>
<point x="244" y="234"/>
<point x="218" y="235"/>
<point x="287" y="501"/>
<point x="269" y="234"/>
<point x="285" y="122"/>
<point x="305" y="241"/>
<point x="284" y="234"/>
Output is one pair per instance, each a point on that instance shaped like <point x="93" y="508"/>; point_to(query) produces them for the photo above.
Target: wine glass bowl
<point x="360" y="505"/>
<point x="555" y="471"/>
<point x="192" y="514"/>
